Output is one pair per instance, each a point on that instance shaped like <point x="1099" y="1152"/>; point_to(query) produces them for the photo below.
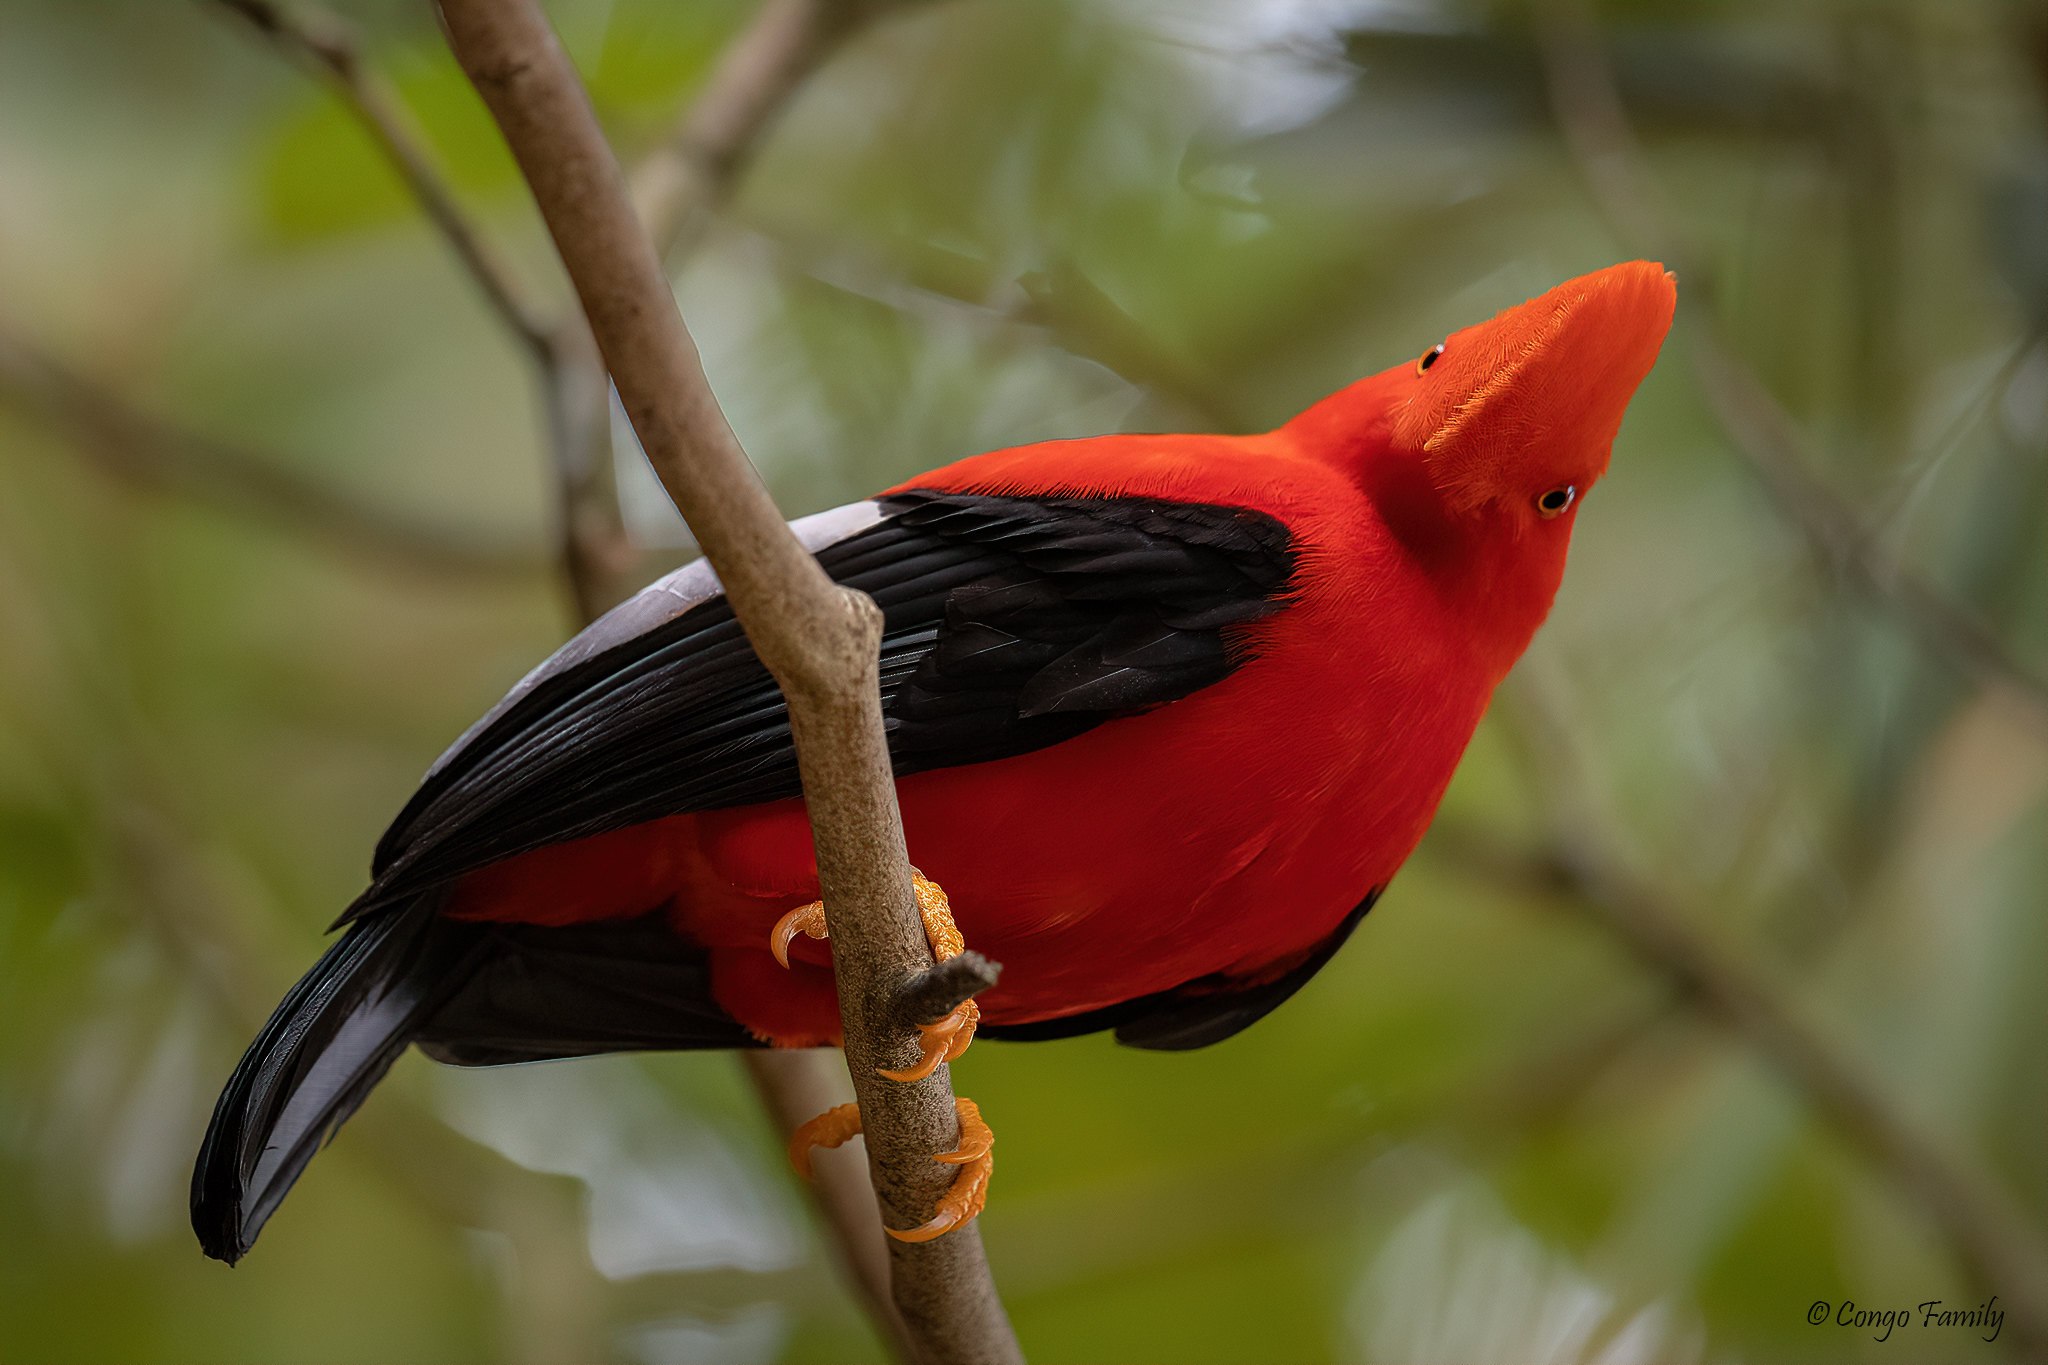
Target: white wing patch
<point x="659" y="603"/>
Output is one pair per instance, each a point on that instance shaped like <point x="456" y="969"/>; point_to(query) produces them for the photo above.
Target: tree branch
<point x="326" y="42"/>
<point x="1587" y="101"/>
<point x="151" y="455"/>
<point x="676" y="186"/>
<point x="943" y="987"/>
<point x="795" y="1086"/>
<point x="819" y="641"/>
<point x="676" y="190"/>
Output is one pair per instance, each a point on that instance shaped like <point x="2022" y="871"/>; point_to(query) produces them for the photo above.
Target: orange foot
<point x="956" y="1206"/>
<point x="942" y="1041"/>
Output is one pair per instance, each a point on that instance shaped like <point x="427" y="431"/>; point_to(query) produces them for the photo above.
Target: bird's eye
<point x="1556" y="502"/>
<point x="1429" y="357"/>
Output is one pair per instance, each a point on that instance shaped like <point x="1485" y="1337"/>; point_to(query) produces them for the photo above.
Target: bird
<point x="1166" y="714"/>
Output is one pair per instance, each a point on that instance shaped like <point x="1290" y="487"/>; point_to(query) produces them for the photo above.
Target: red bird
<point x="1166" y="713"/>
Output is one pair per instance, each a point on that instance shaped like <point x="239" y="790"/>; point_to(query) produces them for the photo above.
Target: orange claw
<point x="975" y="1137"/>
<point x="838" y="1125"/>
<point x="937" y="913"/>
<point x="969" y="1192"/>
<point x="805" y="919"/>
<point x="961" y="1203"/>
<point x="942" y="1041"/>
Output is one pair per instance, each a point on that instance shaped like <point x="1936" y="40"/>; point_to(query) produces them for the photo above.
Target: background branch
<point x="155" y="456"/>
<point x="675" y="188"/>
<point x="819" y="641"/>
<point x="1586" y="99"/>
<point x="326" y="42"/>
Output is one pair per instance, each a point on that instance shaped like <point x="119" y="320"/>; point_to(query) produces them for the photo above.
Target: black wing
<point x="1195" y="1013"/>
<point x="1009" y="624"/>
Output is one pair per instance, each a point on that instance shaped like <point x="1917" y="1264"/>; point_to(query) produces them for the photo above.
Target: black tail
<point x="543" y="992"/>
<point x="468" y="993"/>
<point x="328" y="1043"/>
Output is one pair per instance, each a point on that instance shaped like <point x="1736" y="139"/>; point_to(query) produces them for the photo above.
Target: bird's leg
<point x="835" y="1127"/>
<point x="945" y="1039"/>
<point x="969" y="1191"/>
<point x="940" y="1041"/>
<point x="957" y="1205"/>
<point x="805" y="919"/>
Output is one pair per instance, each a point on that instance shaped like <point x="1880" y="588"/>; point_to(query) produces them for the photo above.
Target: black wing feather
<point x="1009" y="624"/>
<point x="541" y="992"/>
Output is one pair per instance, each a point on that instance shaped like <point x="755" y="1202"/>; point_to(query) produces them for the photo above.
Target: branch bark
<point x="676" y="189"/>
<point x="819" y="641"/>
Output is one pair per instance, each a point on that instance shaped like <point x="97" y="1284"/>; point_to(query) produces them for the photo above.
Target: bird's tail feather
<point x="329" y="1042"/>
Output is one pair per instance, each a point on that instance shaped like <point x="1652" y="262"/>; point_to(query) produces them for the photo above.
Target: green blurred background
<point x="1780" y="709"/>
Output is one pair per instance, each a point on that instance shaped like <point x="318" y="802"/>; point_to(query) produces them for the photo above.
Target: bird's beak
<point x="1553" y="374"/>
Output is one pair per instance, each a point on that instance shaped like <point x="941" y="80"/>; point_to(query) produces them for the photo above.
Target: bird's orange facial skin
<point x="1528" y="403"/>
<point x="1476" y="456"/>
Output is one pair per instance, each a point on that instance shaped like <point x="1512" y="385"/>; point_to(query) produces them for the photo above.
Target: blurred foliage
<point x="1485" y="1132"/>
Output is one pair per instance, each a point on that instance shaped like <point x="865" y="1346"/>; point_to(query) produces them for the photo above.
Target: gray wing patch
<point x="655" y="605"/>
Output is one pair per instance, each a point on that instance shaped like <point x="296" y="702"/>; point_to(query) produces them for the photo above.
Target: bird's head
<point x="1478" y="454"/>
<point x="1512" y="420"/>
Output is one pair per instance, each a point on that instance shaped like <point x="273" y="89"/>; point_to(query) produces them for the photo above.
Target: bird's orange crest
<point x="1522" y="410"/>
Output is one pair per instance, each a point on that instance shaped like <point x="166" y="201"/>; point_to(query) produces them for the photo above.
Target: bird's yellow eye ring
<point x="1557" y="501"/>
<point x="1429" y="357"/>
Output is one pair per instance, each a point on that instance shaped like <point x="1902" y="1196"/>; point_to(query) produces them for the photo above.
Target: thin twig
<point x="819" y="641"/>
<point x="156" y="456"/>
<point x="939" y="989"/>
<point x="675" y="187"/>
<point x="597" y="556"/>
<point x="327" y="42"/>
<point x="678" y="186"/>
<point x="1587" y="101"/>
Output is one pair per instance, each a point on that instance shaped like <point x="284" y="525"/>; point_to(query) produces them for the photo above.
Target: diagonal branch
<point x="678" y="187"/>
<point x="675" y="188"/>
<point x="1590" y="114"/>
<point x="146" y="453"/>
<point x="326" y="42"/>
<point x="818" y="640"/>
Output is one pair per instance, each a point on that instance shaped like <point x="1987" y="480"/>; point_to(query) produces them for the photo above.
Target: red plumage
<point x="1167" y="713"/>
<point x="1232" y="830"/>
